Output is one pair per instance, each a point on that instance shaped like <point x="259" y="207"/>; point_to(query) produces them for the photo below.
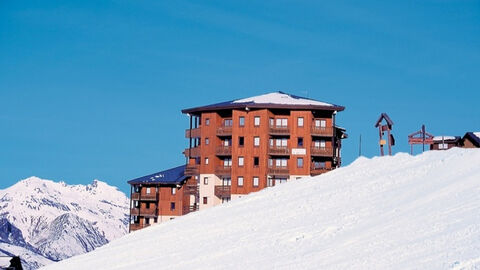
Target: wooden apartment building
<point x="242" y="146"/>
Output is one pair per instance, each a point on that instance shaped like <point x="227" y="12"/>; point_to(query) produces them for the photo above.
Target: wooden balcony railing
<point x="221" y="170"/>
<point x="278" y="130"/>
<point x="191" y="189"/>
<point x="144" y="211"/>
<point x="192" y="169"/>
<point x="223" y="191"/>
<point x="322" y="131"/>
<point x="144" y="197"/>
<point x="138" y="226"/>
<point x="192" y="152"/>
<point x="224" y="131"/>
<point x="193" y="133"/>
<point x="279" y="151"/>
<point x="278" y="170"/>
<point x="321" y="151"/>
<point x="189" y="208"/>
<point x="319" y="170"/>
<point x="223" y="151"/>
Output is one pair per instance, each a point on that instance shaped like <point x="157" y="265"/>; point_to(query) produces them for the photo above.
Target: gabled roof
<point x="172" y="176"/>
<point x="387" y="119"/>
<point x="474" y="137"/>
<point x="446" y="138"/>
<point x="275" y="100"/>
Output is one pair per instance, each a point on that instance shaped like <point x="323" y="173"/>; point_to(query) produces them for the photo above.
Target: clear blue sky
<point x="94" y="89"/>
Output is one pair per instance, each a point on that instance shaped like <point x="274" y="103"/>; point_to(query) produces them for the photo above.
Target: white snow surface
<point x="445" y="138"/>
<point x="400" y="212"/>
<point x="477" y="134"/>
<point x="30" y="259"/>
<point x="281" y="98"/>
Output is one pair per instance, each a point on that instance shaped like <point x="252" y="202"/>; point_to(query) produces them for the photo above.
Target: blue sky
<point x="94" y="89"/>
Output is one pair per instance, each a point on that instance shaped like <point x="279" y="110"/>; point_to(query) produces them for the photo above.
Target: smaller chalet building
<point x="471" y="140"/>
<point x="445" y="142"/>
<point x="161" y="196"/>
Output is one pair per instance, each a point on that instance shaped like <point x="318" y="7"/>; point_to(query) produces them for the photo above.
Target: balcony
<point x="223" y="151"/>
<point x="321" y="151"/>
<point x="191" y="189"/>
<point x="189" y="209"/>
<point x="278" y="171"/>
<point x="144" y="212"/>
<point x="144" y="197"/>
<point x="137" y="226"/>
<point x="193" y="133"/>
<point x="322" y="131"/>
<point x="223" y="191"/>
<point x="278" y="130"/>
<point x="278" y="151"/>
<point x="319" y="170"/>
<point x="192" y="152"/>
<point x="223" y="171"/>
<point x="192" y="169"/>
<point x="224" y="131"/>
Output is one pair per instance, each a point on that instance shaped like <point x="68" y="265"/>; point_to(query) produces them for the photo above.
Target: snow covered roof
<point x="171" y="176"/>
<point x="445" y="138"/>
<point x="270" y="100"/>
<point x="474" y="138"/>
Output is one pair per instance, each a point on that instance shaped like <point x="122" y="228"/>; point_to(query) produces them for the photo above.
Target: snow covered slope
<point x="400" y="212"/>
<point x="58" y="220"/>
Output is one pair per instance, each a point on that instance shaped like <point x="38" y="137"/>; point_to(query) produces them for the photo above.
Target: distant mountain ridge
<point x="49" y="221"/>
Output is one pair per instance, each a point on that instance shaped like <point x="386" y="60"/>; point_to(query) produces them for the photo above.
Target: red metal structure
<point x="420" y="137"/>
<point x="381" y="130"/>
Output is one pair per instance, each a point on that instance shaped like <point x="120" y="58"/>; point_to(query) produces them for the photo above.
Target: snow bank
<point x="400" y="212"/>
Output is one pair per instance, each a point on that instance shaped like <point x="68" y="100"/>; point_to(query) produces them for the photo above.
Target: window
<point x="174" y="190"/>
<point x="205" y="180"/>
<point x="256" y="141"/>
<point x="281" y="122"/>
<point x="227" y="162"/>
<point x="300" y="121"/>
<point x="281" y="162"/>
<point x="205" y="200"/>
<point x="147" y="205"/>
<point x="320" y="123"/>
<point x="207" y="141"/>
<point x="225" y="199"/>
<point x="300" y="162"/>
<point x="272" y="122"/>
<point x="240" y="181"/>
<point x="172" y="206"/>
<point x="227" y="122"/>
<point x="227" y="142"/>
<point x="241" y="141"/>
<point x="319" y="164"/>
<point x="255" y="181"/>
<point x="147" y="220"/>
<point x="270" y="162"/>
<point x="148" y="190"/>
<point x="207" y="121"/>
<point x="256" y="161"/>
<point x="226" y="182"/>
<point x="241" y="121"/>
<point x="240" y="161"/>
<point x="281" y="142"/>
<point x="256" y="121"/>
<point x="300" y="142"/>
<point x="319" y="144"/>
<point x="206" y="161"/>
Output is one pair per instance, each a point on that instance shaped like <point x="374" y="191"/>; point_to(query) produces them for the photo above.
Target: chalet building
<point x="445" y="142"/>
<point x="238" y="147"/>
<point x="161" y="196"/>
<point x="471" y="140"/>
<point x="245" y="145"/>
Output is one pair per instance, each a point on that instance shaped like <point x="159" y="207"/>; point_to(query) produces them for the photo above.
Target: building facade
<point x="243" y="146"/>
<point x="238" y="147"/>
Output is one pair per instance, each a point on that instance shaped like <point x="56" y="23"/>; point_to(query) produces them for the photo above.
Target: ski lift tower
<point x="420" y="137"/>
<point x="381" y="130"/>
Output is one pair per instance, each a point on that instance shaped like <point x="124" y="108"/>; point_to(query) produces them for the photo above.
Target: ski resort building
<point x="471" y="140"/>
<point x="238" y="147"/>
<point x="445" y="142"/>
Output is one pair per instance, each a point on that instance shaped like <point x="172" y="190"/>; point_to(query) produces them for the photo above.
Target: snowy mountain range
<point x="399" y="212"/>
<point x="45" y="221"/>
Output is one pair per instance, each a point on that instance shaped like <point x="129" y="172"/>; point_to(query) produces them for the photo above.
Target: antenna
<point x="360" y="146"/>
